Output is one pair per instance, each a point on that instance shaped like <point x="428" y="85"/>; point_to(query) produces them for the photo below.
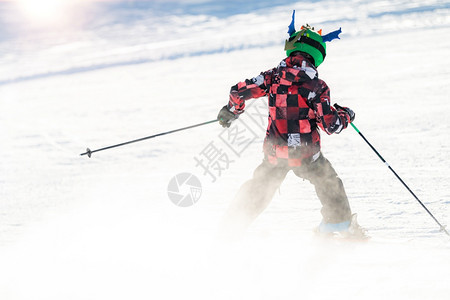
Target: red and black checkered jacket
<point x="299" y="103"/>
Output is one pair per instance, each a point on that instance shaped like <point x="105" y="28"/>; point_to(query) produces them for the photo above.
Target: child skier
<point x="299" y="104"/>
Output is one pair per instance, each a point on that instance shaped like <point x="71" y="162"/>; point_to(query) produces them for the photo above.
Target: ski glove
<point x="348" y="111"/>
<point x="225" y="117"/>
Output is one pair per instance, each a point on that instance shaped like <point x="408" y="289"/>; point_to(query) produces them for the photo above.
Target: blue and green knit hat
<point x="309" y="41"/>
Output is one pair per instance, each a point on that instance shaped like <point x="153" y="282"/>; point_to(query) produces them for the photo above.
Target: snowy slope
<point x="104" y="228"/>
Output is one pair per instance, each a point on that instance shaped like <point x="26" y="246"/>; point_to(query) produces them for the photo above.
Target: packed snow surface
<point x="83" y="74"/>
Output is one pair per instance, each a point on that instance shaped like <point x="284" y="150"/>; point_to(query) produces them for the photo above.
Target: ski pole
<point x="89" y="151"/>
<point x="442" y="228"/>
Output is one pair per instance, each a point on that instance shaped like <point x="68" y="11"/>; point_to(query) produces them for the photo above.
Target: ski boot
<point x="350" y="230"/>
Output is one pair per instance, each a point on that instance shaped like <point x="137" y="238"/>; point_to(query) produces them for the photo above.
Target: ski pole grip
<point x="337" y="106"/>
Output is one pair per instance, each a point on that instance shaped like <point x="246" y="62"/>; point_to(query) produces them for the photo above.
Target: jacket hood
<point x="297" y="69"/>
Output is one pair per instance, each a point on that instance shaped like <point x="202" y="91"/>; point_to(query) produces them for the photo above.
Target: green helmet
<point x="308" y="41"/>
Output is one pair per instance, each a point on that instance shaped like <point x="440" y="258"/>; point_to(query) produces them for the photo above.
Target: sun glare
<point x="44" y="11"/>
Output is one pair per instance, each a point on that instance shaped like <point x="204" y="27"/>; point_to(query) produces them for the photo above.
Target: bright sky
<point x="49" y="11"/>
<point x="54" y="12"/>
<point x="43" y="10"/>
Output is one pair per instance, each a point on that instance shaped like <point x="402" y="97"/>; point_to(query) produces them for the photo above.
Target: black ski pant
<point x="255" y="194"/>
